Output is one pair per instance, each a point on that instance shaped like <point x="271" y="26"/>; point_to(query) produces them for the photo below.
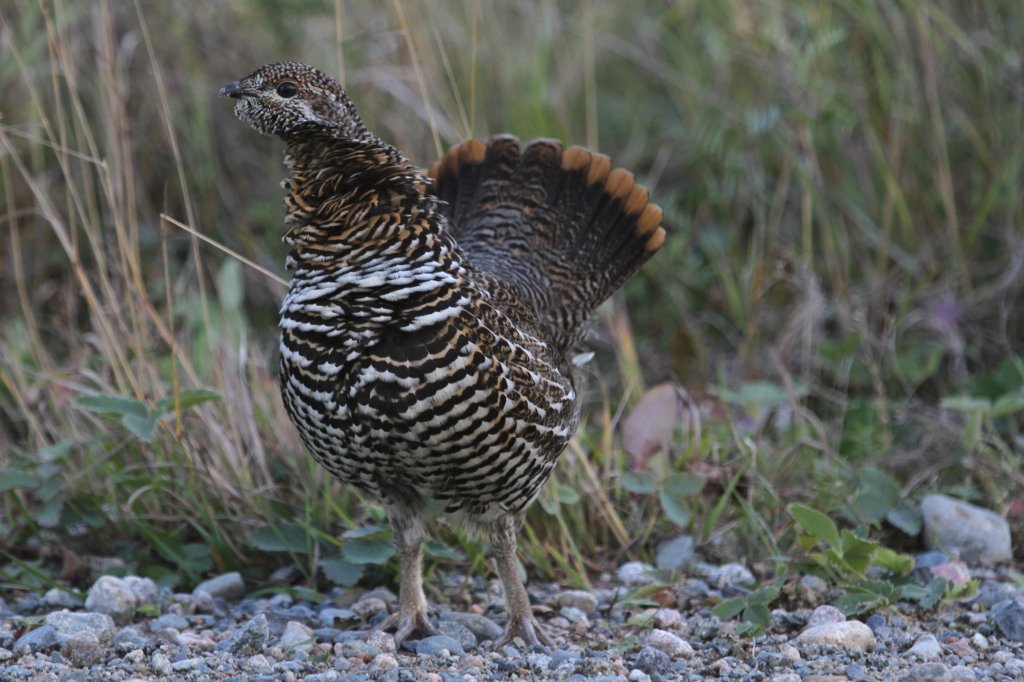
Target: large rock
<point x="978" y="535"/>
<point x="67" y="624"/>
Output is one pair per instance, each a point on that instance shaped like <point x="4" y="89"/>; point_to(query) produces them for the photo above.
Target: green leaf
<point x="758" y="615"/>
<point x="287" y="537"/>
<point x="639" y="482"/>
<point x="677" y="511"/>
<point x="683" y="484"/>
<point x="50" y="514"/>
<point x="11" y="478"/>
<point x="856" y="552"/>
<point x="858" y="602"/>
<point x="1010" y="403"/>
<point x="893" y="562"/>
<point x="567" y="495"/>
<point x="816" y="524"/>
<point x="906" y="518"/>
<point x="186" y="399"/>
<point x="341" y="571"/>
<point x="142" y="426"/>
<point x="730" y="608"/>
<point x="927" y="596"/>
<point x="368" y="550"/>
<point x="112" y="404"/>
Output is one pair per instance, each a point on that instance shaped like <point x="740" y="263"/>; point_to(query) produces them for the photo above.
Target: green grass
<point x="840" y="183"/>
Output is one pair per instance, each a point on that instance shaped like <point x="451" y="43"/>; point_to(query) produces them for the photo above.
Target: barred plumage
<point x="426" y="333"/>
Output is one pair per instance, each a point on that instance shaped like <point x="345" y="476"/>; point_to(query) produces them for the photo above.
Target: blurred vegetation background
<point x="835" y="319"/>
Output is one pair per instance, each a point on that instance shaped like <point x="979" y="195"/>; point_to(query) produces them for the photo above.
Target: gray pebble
<point x="574" y="615"/>
<point x="160" y="664"/>
<point x="67" y="623"/>
<point x="825" y="614"/>
<point x="925" y="648"/>
<point x="961" y="673"/>
<point x="651" y="660"/>
<point x="538" y="661"/>
<point x="435" y="645"/>
<point x="169" y="620"/>
<point x="459" y="632"/>
<point x="675" y="554"/>
<point x="112" y="596"/>
<point x="186" y="664"/>
<point x="333" y="617"/>
<point x="251" y="639"/>
<point x="978" y="535"/>
<point x="83" y="649"/>
<point x="42" y="638"/>
<point x="991" y="593"/>
<point x="484" y="628"/>
<point x="812" y="590"/>
<point x="367" y="607"/>
<point x="1009" y="618"/>
<point x="577" y="599"/>
<point x="328" y="676"/>
<point x="60" y="599"/>
<point x="296" y="637"/>
<point x="672" y="645"/>
<point x="227" y="586"/>
<point x="357" y="648"/>
<point x="928" y="672"/>
<point x="635" y="573"/>
<point x="731" y="575"/>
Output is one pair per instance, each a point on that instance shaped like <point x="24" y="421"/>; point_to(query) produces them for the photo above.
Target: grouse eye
<point x="287" y="89"/>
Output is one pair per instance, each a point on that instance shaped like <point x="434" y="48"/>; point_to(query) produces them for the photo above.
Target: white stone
<point x="850" y="634"/>
<point x="925" y="648"/>
<point x="669" y="643"/>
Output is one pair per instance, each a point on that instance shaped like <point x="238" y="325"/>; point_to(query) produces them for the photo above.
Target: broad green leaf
<point x="815" y="523"/>
<point x="677" y="510"/>
<point x="855" y="551"/>
<point x="48" y="516"/>
<point x="112" y="404"/>
<point x="927" y="596"/>
<point x="15" y="478"/>
<point x="639" y="482"/>
<point x="142" y="426"/>
<point x="683" y="484"/>
<point x="906" y="518"/>
<point x="764" y="595"/>
<point x="730" y="608"/>
<point x="287" y="537"/>
<point x="341" y="571"/>
<point x="186" y="399"/>
<point x="758" y="615"/>
<point x="368" y="550"/>
<point x="891" y="561"/>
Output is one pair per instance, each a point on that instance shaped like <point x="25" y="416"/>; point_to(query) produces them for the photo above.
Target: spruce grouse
<point x="427" y="331"/>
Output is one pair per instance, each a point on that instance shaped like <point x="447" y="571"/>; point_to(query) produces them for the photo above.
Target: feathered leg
<point x="412" y="603"/>
<point x="521" y="622"/>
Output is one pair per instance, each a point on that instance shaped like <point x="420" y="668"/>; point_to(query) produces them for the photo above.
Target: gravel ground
<point x="128" y="629"/>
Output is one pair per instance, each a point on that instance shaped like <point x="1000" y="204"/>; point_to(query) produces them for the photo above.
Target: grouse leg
<point x="412" y="603"/>
<point x="521" y="622"/>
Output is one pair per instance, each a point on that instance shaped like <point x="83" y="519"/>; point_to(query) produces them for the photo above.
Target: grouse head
<point x="288" y="99"/>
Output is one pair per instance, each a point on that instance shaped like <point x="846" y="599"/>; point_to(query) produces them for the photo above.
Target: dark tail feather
<point x="563" y="225"/>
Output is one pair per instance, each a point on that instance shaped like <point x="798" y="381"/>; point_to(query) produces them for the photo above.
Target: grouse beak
<point x="231" y="90"/>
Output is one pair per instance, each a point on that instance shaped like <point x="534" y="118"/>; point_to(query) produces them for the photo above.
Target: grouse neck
<point x="353" y="196"/>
